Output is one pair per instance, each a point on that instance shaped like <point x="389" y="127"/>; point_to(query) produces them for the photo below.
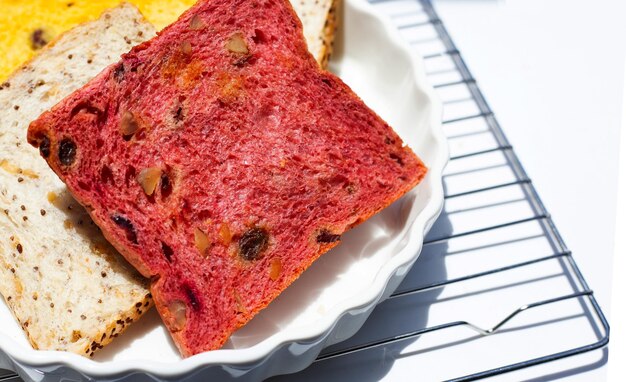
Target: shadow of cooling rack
<point x="495" y="288"/>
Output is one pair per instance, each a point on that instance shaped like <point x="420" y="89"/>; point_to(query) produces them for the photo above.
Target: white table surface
<point x="553" y="72"/>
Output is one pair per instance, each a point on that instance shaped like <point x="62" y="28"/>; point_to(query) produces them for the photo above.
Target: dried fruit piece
<point x="225" y="234"/>
<point x="276" y="267"/>
<point x="67" y="152"/>
<point x="148" y="179"/>
<point x="88" y="108"/>
<point x="44" y="146"/>
<point x="237" y="44"/>
<point x="240" y="306"/>
<point x="128" y="125"/>
<point x="252" y="243"/>
<point x="196" y="23"/>
<point x="178" y="311"/>
<point x="185" y="47"/>
<point x="127" y="226"/>
<point x="202" y="241"/>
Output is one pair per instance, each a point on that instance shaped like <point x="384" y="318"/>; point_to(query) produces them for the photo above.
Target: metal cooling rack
<point x="492" y="215"/>
<point x="480" y="151"/>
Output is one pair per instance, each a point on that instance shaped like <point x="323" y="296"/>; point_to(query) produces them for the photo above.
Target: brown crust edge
<point x="116" y="326"/>
<point x="330" y="27"/>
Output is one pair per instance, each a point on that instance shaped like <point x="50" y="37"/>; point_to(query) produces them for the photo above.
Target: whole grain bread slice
<point x="67" y="287"/>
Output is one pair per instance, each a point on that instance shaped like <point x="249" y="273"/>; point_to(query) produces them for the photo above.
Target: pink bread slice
<point x="221" y="162"/>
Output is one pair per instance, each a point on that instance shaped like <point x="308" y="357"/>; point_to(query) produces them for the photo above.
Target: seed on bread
<point x="9" y="167"/>
<point x="13" y="169"/>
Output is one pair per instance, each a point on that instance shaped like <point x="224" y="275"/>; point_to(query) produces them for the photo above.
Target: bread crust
<point x="330" y="27"/>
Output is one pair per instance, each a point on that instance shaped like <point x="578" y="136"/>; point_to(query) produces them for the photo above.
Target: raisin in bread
<point x="66" y="286"/>
<point x="221" y="161"/>
<point x="26" y="26"/>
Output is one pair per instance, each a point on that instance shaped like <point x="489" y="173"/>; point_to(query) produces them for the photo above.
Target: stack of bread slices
<point x="68" y="288"/>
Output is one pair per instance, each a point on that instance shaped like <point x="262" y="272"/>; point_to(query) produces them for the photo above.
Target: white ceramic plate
<point x="332" y="299"/>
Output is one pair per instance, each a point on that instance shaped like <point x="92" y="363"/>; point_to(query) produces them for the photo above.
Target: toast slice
<point x="68" y="288"/>
<point x="221" y="161"/>
<point x="27" y="25"/>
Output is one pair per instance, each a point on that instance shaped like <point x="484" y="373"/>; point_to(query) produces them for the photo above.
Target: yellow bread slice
<point x="27" y="25"/>
<point x="66" y="286"/>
